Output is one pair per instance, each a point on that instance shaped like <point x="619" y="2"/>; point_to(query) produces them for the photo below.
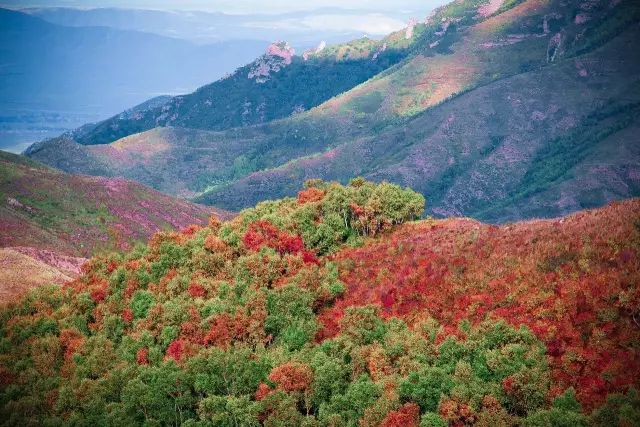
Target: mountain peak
<point x="277" y="56"/>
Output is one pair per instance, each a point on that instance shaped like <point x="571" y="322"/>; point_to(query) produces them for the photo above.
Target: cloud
<point x="371" y="23"/>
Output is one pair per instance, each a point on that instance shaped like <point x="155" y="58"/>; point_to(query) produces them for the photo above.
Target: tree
<point x="426" y="387"/>
<point x="292" y="376"/>
<point x="229" y="411"/>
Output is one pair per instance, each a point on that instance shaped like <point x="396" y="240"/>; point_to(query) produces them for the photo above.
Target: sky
<point x="239" y="6"/>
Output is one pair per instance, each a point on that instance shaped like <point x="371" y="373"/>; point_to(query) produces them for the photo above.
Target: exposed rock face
<point x="278" y="56"/>
<point x="508" y="40"/>
<point x="409" y="31"/>
<point x="445" y="27"/>
<point x="281" y="50"/>
<point x="15" y="204"/>
<point x="307" y="54"/>
<point x="554" y="46"/>
<point x="382" y="49"/>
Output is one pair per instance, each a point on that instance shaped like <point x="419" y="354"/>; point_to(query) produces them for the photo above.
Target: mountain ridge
<point x="239" y="166"/>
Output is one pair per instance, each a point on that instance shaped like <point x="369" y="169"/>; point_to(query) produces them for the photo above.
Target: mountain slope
<point x="337" y="308"/>
<point x="276" y="85"/>
<point x="279" y="84"/>
<point x="20" y="271"/>
<point x="56" y="219"/>
<point x="78" y="215"/>
<point x="499" y="116"/>
<point x="541" y="143"/>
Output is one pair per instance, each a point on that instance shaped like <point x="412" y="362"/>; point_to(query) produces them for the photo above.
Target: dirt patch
<point x="20" y="272"/>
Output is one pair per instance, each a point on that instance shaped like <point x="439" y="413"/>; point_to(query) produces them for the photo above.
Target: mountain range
<point x="303" y="29"/>
<point x="55" y="78"/>
<point x="58" y="67"/>
<point x="496" y="110"/>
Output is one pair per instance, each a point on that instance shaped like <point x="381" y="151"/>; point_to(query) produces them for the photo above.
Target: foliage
<point x="327" y="215"/>
<point x="254" y="321"/>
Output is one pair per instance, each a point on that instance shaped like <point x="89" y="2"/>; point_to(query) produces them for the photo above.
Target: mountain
<point x="338" y="308"/>
<point x="55" y="76"/>
<point x="276" y="85"/>
<point x="496" y="111"/>
<point x="53" y="219"/>
<point x="73" y="67"/>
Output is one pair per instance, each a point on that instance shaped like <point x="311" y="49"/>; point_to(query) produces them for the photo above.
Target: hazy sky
<point x="240" y="6"/>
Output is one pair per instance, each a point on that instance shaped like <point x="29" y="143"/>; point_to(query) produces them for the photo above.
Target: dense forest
<point x="338" y="308"/>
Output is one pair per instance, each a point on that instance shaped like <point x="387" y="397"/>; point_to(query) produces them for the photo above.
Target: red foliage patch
<point x="457" y="414"/>
<point x="70" y="341"/>
<point x="309" y="257"/>
<point x="197" y="290"/>
<point x="263" y="391"/>
<point x="142" y="356"/>
<point x="98" y="295"/>
<point x="226" y="328"/>
<point x="573" y="282"/>
<point x="214" y="244"/>
<point x="292" y="376"/>
<point x="191" y="330"/>
<point x="310" y="195"/>
<point x="264" y="234"/>
<point x="407" y="416"/>
<point x="175" y="350"/>
<point x="111" y="266"/>
<point x="127" y="315"/>
<point x="190" y="230"/>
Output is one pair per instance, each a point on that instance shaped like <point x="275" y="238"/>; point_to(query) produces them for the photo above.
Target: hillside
<point x="276" y="85"/>
<point x="503" y="132"/>
<point x="280" y="84"/>
<point x="56" y="219"/>
<point x="530" y="110"/>
<point x="336" y="308"/>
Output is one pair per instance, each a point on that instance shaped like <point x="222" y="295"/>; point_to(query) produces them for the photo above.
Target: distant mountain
<point x="47" y="68"/>
<point x="494" y="110"/>
<point x="55" y="220"/>
<point x="103" y="69"/>
<point x="301" y="29"/>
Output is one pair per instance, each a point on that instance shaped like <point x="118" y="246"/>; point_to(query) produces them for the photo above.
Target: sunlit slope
<point x="530" y="110"/>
